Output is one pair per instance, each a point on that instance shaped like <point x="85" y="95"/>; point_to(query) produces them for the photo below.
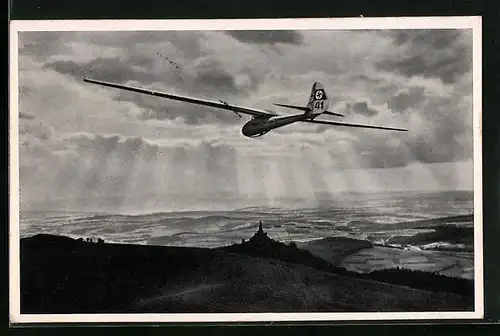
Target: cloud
<point x="444" y="54"/>
<point x="43" y="45"/>
<point x="115" y="170"/>
<point x="211" y="75"/>
<point x="361" y="108"/>
<point x="407" y="98"/>
<point x="25" y="116"/>
<point x="203" y="77"/>
<point x="109" y="69"/>
<point x="35" y="128"/>
<point x="270" y="37"/>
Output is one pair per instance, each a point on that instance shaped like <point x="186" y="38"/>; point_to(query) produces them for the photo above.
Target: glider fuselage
<point x="259" y="126"/>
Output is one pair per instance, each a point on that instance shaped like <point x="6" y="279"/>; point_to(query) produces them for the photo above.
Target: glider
<point x="262" y="121"/>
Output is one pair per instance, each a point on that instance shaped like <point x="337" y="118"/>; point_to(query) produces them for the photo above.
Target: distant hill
<point x="461" y="220"/>
<point x="451" y="234"/>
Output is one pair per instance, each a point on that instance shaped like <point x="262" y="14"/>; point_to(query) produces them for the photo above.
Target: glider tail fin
<point x="318" y="101"/>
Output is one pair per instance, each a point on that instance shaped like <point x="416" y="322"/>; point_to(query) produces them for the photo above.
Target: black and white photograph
<point x="245" y="170"/>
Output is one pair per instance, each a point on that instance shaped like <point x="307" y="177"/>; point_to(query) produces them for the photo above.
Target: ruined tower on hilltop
<point x="261" y="231"/>
<point x="260" y="235"/>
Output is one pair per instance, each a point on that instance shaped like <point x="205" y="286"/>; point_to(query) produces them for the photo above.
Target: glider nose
<point x="246" y="131"/>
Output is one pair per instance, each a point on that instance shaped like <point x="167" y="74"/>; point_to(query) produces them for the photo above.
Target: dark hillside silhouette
<point x="63" y="275"/>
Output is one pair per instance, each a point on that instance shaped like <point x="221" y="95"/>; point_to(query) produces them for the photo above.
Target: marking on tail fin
<point x="318" y="105"/>
<point x="318" y="100"/>
<point x="319" y="94"/>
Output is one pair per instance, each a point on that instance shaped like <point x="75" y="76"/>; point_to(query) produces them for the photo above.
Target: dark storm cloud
<point x="361" y="108"/>
<point x="267" y="36"/>
<point x="443" y="54"/>
<point x="217" y="78"/>
<point x="211" y="75"/>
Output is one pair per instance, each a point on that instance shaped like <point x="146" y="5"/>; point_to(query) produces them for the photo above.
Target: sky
<point x="86" y="147"/>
